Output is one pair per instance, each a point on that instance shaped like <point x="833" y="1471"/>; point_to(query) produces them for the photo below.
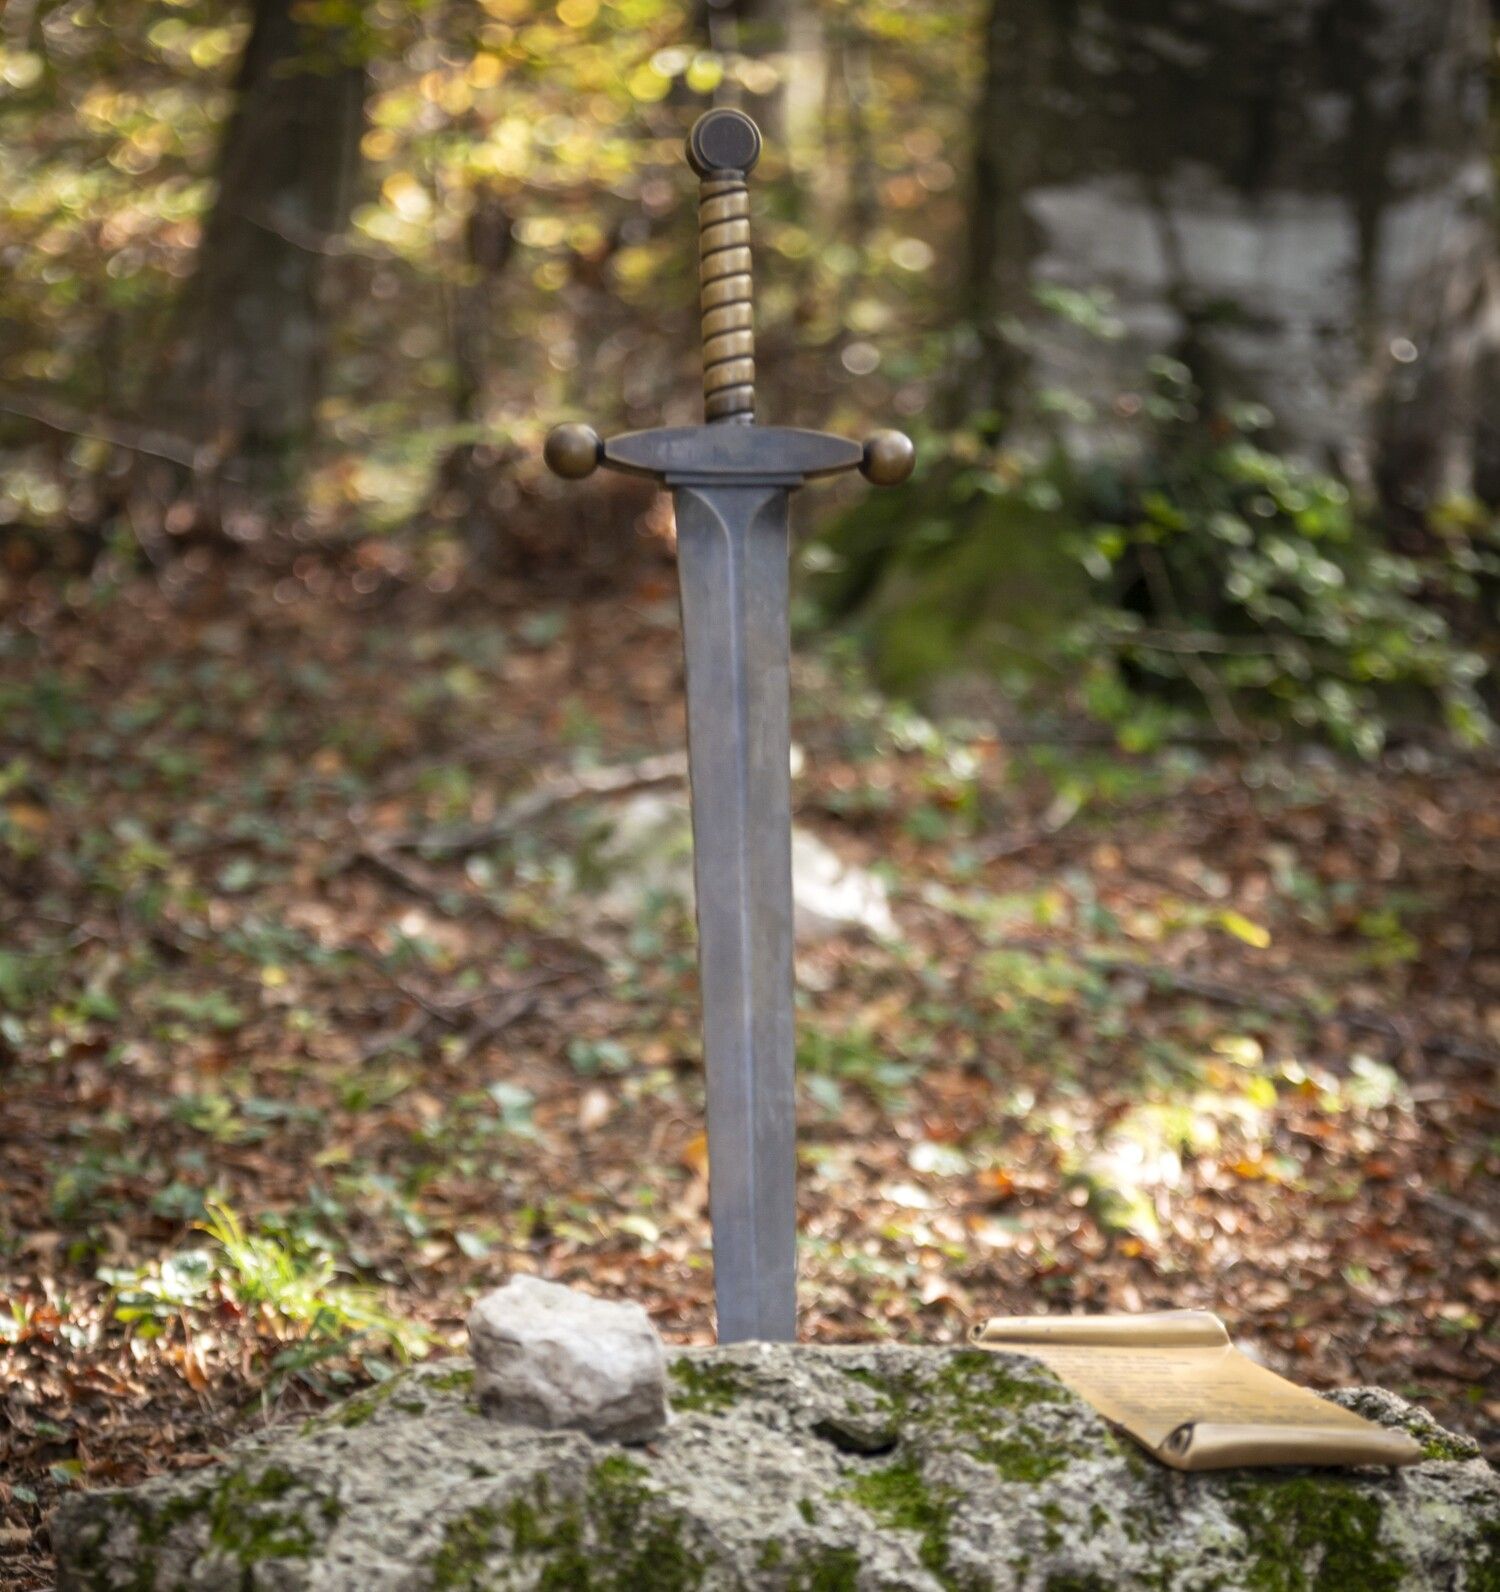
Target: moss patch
<point x="1314" y="1534"/>
<point x="618" y="1536"/>
<point x="1453" y="1447"/>
<point x="240" y="1526"/>
<point x="403" y="1394"/>
<point x="249" y="1519"/>
<point x="898" y="1496"/>
<point x="467" y="1542"/>
<point x="704" y="1386"/>
<point x="979" y="1396"/>
<point x="833" y="1570"/>
<point x="771" y="1554"/>
<point x="458" y="1380"/>
<point x="979" y="1379"/>
<point x="1486" y="1573"/>
<point x="1024" y="1458"/>
<point x="397" y="1394"/>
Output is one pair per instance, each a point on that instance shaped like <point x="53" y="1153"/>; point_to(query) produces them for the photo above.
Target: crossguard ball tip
<point x="889" y="458"/>
<point x="573" y="451"/>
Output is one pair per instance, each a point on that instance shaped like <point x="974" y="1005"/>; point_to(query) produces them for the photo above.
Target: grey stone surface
<point x="552" y="1357"/>
<point x="789" y="1469"/>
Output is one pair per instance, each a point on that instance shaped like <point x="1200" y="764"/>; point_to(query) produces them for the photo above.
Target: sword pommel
<point x="722" y="142"/>
<point x="722" y="149"/>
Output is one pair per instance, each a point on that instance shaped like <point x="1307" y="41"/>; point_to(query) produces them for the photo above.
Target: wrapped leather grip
<point x="722" y="148"/>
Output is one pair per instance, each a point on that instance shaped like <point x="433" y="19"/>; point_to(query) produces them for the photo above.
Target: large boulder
<point x="792" y="1469"/>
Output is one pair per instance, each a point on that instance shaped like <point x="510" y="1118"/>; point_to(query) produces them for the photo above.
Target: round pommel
<point x="723" y="140"/>
<point x="889" y="458"/>
<point x="572" y="451"/>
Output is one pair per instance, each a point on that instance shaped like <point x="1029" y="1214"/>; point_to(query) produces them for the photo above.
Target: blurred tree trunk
<point x="1294" y="197"/>
<point x="759" y="29"/>
<point x="474" y="485"/>
<point x="248" y="369"/>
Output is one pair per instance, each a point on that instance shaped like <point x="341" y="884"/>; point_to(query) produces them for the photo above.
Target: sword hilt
<point x="722" y="149"/>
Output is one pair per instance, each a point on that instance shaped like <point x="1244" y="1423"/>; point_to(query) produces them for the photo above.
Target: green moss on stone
<point x="871" y="1379"/>
<point x="1485" y="1576"/>
<point x="980" y="1379"/>
<point x="641" y="1534"/>
<point x="898" y="1496"/>
<point x="241" y="1526"/>
<point x="702" y="1385"/>
<point x="467" y="1542"/>
<point x="1024" y="1458"/>
<point x="1450" y="1446"/>
<point x="969" y="1382"/>
<point x="247" y="1516"/>
<point x="451" y="1381"/>
<point x="402" y="1393"/>
<point x="619" y="1536"/>
<point x="155" y="1524"/>
<point x="977" y="1394"/>
<point x="832" y="1570"/>
<point x="355" y="1411"/>
<point x="1314" y="1534"/>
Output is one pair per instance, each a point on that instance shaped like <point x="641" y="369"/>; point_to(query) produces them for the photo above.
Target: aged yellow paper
<point x="1175" y="1382"/>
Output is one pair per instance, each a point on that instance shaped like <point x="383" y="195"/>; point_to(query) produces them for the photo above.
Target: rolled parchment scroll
<point x="1181" y="1389"/>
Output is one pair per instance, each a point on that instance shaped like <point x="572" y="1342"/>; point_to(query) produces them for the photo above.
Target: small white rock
<point x="648" y="854"/>
<point x="550" y="1357"/>
<point x="834" y="896"/>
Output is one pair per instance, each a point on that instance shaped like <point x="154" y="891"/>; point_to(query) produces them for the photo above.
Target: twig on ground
<point x="1066" y="808"/>
<point x="388" y="1039"/>
<point x="521" y="1003"/>
<point x="517" y="1002"/>
<point x="666" y="768"/>
<point x="379" y="860"/>
<point x="1458" y="1212"/>
<point x="154" y="443"/>
<point x="1221" y="994"/>
<point x="1057" y="818"/>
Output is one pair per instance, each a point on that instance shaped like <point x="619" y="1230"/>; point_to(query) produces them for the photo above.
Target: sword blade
<point x="732" y="570"/>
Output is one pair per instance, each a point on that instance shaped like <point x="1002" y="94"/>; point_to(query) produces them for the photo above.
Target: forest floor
<point x="311" y="1030"/>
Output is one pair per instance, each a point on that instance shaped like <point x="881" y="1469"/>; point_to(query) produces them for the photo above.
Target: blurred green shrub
<point x="1187" y="573"/>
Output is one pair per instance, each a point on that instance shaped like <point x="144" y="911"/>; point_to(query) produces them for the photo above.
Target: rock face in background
<point x="789" y="1469"/>
<point x="1295" y="196"/>
<point x="551" y="1357"/>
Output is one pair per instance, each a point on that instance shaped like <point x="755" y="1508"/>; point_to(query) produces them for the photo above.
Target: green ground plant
<point x="288" y="1279"/>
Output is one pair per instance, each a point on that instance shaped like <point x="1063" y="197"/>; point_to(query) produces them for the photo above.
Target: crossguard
<point x="722" y="149"/>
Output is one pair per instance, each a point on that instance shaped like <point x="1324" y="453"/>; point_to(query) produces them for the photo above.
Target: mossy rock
<point x="789" y="1469"/>
<point x="947" y="580"/>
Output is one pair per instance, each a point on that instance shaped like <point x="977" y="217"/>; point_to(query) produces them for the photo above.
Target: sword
<point x="731" y="482"/>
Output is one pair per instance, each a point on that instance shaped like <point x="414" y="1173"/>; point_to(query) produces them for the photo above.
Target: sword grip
<point x="722" y="148"/>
